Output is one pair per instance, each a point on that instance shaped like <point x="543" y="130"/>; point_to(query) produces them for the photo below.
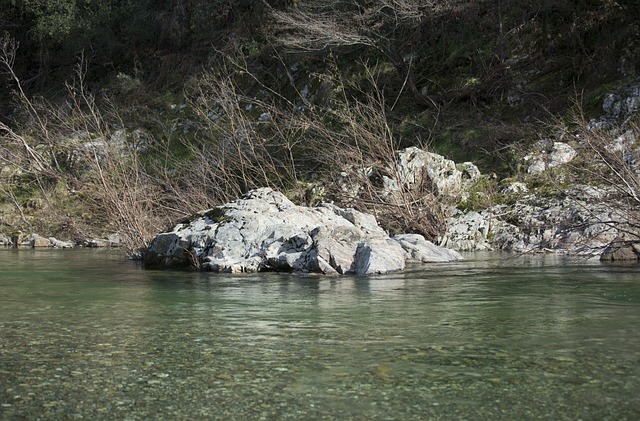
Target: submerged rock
<point x="265" y="231"/>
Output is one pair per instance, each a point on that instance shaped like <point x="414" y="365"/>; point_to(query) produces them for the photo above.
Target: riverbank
<point x="576" y="192"/>
<point x="477" y="125"/>
<point x="38" y="241"/>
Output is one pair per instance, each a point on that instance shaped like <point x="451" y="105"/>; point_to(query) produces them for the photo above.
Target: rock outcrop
<point x="578" y="223"/>
<point x="265" y="231"/>
<point x="549" y="155"/>
<point x="584" y="218"/>
<point x="38" y="241"/>
<point x="415" y="165"/>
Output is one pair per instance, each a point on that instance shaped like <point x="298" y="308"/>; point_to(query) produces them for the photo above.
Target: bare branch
<point x="301" y="31"/>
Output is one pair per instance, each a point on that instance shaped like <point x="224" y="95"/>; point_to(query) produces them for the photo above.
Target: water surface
<point x="88" y="335"/>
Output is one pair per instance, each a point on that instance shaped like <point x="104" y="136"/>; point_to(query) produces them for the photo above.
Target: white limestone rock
<point x="420" y="250"/>
<point x="265" y="231"/>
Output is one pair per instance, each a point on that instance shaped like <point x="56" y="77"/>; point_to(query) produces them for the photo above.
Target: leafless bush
<point x="27" y="163"/>
<point x="391" y="28"/>
<point x="609" y="159"/>
<point x="358" y="151"/>
<point x="243" y="142"/>
<point x="114" y="179"/>
<point x="71" y="146"/>
<point x="236" y="143"/>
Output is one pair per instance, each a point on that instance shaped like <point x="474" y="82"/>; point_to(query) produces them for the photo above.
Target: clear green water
<point x="86" y="335"/>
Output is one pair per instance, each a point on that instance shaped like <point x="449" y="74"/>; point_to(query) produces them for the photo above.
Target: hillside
<point x="126" y="116"/>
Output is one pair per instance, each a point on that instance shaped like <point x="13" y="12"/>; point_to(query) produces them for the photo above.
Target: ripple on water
<point x="485" y="340"/>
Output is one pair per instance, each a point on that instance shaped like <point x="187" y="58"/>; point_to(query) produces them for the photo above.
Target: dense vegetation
<point x="126" y="115"/>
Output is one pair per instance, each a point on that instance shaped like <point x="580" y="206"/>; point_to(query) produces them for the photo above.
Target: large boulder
<point x="415" y="164"/>
<point x="265" y="231"/>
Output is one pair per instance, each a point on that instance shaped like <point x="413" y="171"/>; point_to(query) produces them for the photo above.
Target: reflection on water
<point x="87" y="335"/>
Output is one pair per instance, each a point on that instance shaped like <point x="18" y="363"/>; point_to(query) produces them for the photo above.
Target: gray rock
<point x="377" y="256"/>
<point x="515" y="188"/>
<point x="414" y="164"/>
<point x="265" y="231"/>
<point x="112" y="240"/>
<point x="470" y="172"/>
<point x="623" y="102"/>
<point x="468" y="231"/>
<point x="581" y="223"/>
<point x="559" y="153"/>
<point x="620" y="251"/>
<point x="39" y="242"/>
<point x="536" y="166"/>
<point x="618" y="106"/>
<point x="96" y="243"/>
<point x="60" y="244"/>
<point x="420" y="250"/>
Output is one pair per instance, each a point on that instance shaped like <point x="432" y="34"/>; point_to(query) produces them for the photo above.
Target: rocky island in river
<point x="265" y="231"/>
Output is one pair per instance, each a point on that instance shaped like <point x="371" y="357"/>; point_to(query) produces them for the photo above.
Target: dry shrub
<point x="358" y="152"/>
<point x="70" y="151"/>
<point x="609" y="158"/>
<point x="236" y="142"/>
<point x="29" y="155"/>
<point x="347" y="148"/>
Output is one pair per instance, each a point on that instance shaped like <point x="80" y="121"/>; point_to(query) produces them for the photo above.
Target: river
<point x="88" y="335"/>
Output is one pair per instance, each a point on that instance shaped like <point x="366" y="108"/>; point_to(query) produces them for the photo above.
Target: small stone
<point x="38" y="242"/>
